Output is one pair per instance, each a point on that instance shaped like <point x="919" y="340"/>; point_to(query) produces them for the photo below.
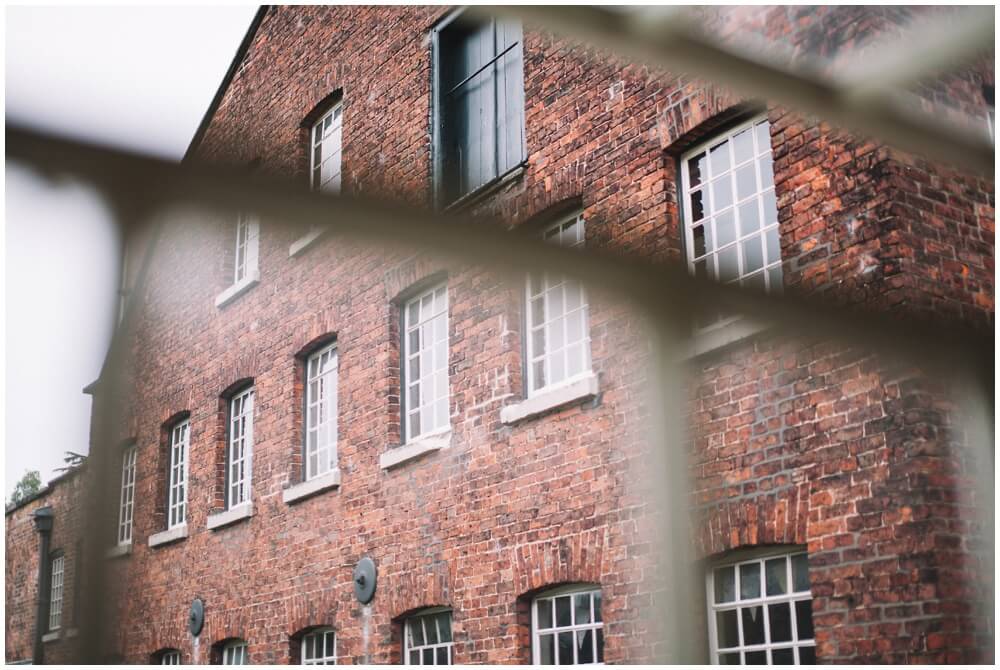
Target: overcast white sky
<point x="133" y="77"/>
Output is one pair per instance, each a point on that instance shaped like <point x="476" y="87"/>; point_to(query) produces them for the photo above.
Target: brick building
<point x="302" y="401"/>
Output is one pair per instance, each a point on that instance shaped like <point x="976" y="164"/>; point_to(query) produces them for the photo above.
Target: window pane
<point x="442" y="656"/>
<point x="584" y="646"/>
<point x="428" y="657"/>
<point x="807" y="656"/>
<point x="755" y="657"/>
<point x="800" y="573"/>
<point x="777" y="576"/>
<point x="544" y="609"/>
<point x="546" y="650"/>
<point x="701" y="244"/>
<point x="697" y="199"/>
<point x="417" y="632"/>
<point x="770" y="208"/>
<point x="581" y="608"/>
<point x="563" y="616"/>
<point x="600" y="645"/>
<point x="780" y="620"/>
<point x="762" y="130"/>
<point x="783" y="657"/>
<point x="566" y="648"/>
<point x="766" y="171"/>
<point x="722" y="192"/>
<point x="743" y="146"/>
<point x="725" y="585"/>
<point x="727" y="629"/>
<point x="753" y="257"/>
<point x="444" y="626"/>
<point x="725" y="228"/>
<point x="720" y="157"/>
<point x="597" y="606"/>
<point x="804" y="619"/>
<point x="746" y="181"/>
<point x="430" y="629"/>
<point x="729" y="659"/>
<point x="749" y="217"/>
<point x="696" y="169"/>
<point x="753" y="624"/>
<point x="728" y="268"/>
<point x="415" y="657"/>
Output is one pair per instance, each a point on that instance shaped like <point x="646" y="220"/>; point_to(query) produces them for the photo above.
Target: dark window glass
<point x="481" y="98"/>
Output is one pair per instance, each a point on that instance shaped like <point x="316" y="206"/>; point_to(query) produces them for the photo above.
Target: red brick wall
<point x="798" y="443"/>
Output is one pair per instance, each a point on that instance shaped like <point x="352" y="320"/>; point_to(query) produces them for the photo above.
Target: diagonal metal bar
<point x="664" y="290"/>
<point x="675" y="43"/>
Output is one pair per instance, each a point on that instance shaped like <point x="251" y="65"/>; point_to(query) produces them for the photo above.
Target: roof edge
<point x="241" y="53"/>
<point x="45" y="490"/>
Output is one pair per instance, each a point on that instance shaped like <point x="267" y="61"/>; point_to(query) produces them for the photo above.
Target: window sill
<point x="705" y="341"/>
<point x="474" y="197"/>
<point x="414" y="449"/>
<point x="119" y="551"/>
<point x="311" y="487"/>
<point x="306" y="241"/>
<point x="238" y="289"/>
<point x="230" y="516"/>
<point x="585" y="387"/>
<point x="170" y="535"/>
<point x="51" y="637"/>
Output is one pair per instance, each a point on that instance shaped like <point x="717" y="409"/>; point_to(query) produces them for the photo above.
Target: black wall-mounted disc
<point x="196" y="617"/>
<point x="365" y="576"/>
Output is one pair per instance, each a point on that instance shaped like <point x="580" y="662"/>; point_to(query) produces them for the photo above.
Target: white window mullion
<point x="425" y="355"/>
<point x="127" y="496"/>
<point x="321" y="412"/>
<point x="180" y="438"/>
<point x="56" y="574"/>
<point x="240" y="461"/>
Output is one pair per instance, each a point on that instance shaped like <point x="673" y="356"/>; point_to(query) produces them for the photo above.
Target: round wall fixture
<point x="364" y="580"/>
<point x="196" y="617"/>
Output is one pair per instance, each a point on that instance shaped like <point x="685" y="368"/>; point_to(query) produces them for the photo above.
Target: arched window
<point x="235" y="652"/>
<point x="427" y="638"/>
<point x="760" y="609"/>
<point x="167" y="657"/>
<point x="567" y="627"/>
<point x="319" y="647"/>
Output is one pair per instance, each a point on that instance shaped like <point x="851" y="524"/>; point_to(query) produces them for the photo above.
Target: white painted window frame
<point x="127" y="500"/>
<point x="439" y="306"/>
<point x="771" y="269"/>
<point x="327" y="146"/>
<point x="247" y="248"/>
<point x="790" y="597"/>
<point x="318" y="636"/>
<point x="236" y="652"/>
<point x="170" y="657"/>
<point x="554" y="630"/>
<point x="180" y="440"/>
<point x="239" y="450"/>
<point x="326" y="408"/>
<point x="57" y="573"/>
<point x="422" y="618"/>
<point x="549" y="285"/>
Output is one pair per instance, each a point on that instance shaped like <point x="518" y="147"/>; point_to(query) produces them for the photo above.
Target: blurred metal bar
<point x="673" y="41"/>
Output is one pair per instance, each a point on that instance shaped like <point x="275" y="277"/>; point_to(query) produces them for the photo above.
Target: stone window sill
<point x="119" y="550"/>
<point x="230" y="516"/>
<point x="238" y="289"/>
<point x="547" y="400"/>
<point x="414" y="449"/>
<point x="170" y="535"/>
<point x="311" y="487"/>
<point x="51" y="637"/>
<point x="710" y="339"/>
<point x="306" y="241"/>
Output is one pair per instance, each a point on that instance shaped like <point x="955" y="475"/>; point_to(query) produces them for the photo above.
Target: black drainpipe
<point x="43" y="524"/>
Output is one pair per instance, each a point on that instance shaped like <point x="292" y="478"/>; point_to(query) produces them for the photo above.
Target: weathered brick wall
<point x="799" y="443"/>
<point x="21" y="571"/>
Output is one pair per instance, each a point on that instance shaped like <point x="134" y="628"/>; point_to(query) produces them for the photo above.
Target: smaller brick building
<point x="60" y="606"/>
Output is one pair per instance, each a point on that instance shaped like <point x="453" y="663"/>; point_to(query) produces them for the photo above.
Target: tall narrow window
<point x="235" y="652"/>
<point x="240" y="452"/>
<point x="730" y="211"/>
<point x="760" y="612"/>
<point x="319" y="647"/>
<point x="127" y="498"/>
<point x="568" y="627"/>
<point x="56" y="573"/>
<point x="425" y="356"/>
<point x="247" y="244"/>
<point x="427" y="638"/>
<point x="321" y="412"/>
<point x="558" y="340"/>
<point x="177" y="507"/>
<point x="480" y="103"/>
<point x="326" y="151"/>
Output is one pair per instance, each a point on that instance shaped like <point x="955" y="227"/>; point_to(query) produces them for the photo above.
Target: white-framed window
<point x="127" y="499"/>
<point x="321" y="412"/>
<point x="180" y="437"/>
<point x="730" y="210"/>
<point x="425" y="357"/>
<point x="170" y="657"/>
<point x="56" y="574"/>
<point x="235" y="652"/>
<point x="327" y="135"/>
<point x="319" y="647"/>
<point x="567" y="627"/>
<point x="558" y="336"/>
<point x="247" y="246"/>
<point x="239" y="457"/>
<point x="427" y="638"/>
<point x="760" y="611"/>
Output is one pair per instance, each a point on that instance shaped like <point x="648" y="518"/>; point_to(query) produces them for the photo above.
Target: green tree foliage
<point x="30" y="484"/>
